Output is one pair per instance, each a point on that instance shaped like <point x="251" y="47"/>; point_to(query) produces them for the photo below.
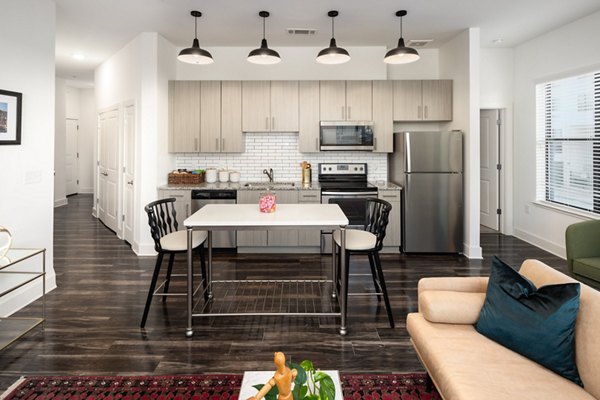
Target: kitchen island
<point x="215" y="217"/>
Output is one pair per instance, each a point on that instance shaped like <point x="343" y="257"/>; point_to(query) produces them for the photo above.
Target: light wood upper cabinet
<point x="184" y="116"/>
<point x="383" y="123"/>
<point x="232" y="138"/>
<point x="308" y="124"/>
<point x="346" y="101"/>
<point x="284" y="106"/>
<point x="256" y="106"/>
<point x="270" y="106"/>
<point x="429" y="100"/>
<point x="333" y="100"/>
<point x="210" y="116"/>
<point x="359" y="101"/>
<point x="437" y="100"/>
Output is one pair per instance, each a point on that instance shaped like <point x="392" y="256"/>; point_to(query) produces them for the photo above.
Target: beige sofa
<point x="464" y="364"/>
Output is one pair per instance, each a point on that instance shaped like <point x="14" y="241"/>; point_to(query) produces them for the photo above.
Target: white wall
<point x="88" y="131"/>
<point x="26" y="170"/>
<point x="60" y="139"/>
<point x="459" y="61"/>
<point x="536" y="61"/>
<point x="427" y="67"/>
<point x="297" y="63"/>
<point x="497" y="83"/>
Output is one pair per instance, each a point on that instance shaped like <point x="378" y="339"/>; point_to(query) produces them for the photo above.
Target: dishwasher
<point x="200" y="198"/>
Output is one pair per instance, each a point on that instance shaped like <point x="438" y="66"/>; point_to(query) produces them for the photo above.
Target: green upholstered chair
<point x="583" y="251"/>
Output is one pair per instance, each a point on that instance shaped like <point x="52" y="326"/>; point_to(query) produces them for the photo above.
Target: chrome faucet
<point x="269" y="173"/>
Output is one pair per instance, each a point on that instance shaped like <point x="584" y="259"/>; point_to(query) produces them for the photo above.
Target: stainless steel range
<point x="346" y="185"/>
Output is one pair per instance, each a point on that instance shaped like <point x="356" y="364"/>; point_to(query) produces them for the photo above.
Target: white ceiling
<point x="97" y="29"/>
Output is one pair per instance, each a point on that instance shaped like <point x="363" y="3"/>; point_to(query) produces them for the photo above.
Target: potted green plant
<point x="310" y="384"/>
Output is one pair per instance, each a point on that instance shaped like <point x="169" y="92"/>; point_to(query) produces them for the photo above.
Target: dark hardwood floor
<point x="93" y="316"/>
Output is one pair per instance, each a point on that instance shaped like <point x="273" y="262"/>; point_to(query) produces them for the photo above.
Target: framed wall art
<point x="10" y="117"/>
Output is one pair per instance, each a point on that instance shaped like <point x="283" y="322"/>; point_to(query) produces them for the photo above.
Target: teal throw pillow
<point x="537" y="323"/>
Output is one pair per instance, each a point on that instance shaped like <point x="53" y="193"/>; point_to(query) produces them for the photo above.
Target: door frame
<point x="76" y="155"/>
<point x="122" y="158"/>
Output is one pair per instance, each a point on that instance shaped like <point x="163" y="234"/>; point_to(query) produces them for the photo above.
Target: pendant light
<point x="264" y="55"/>
<point x="333" y="54"/>
<point x="401" y="54"/>
<point x="194" y="54"/>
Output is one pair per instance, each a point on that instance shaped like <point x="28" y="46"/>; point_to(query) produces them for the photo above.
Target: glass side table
<point x="11" y="279"/>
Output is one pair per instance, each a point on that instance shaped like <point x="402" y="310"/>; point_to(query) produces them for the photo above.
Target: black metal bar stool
<point x="369" y="241"/>
<point x="162" y="219"/>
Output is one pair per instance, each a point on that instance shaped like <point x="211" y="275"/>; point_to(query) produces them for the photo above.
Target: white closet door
<point x="71" y="158"/>
<point x="108" y="176"/>
<point x="128" y="172"/>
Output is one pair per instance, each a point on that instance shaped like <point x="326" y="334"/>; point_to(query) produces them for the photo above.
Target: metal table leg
<point x="209" y="272"/>
<point x="333" y="270"/>
<point x="344" y="279"/>
<point x="189" y="332"/>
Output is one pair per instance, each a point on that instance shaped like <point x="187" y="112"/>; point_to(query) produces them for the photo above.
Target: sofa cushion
<point x="538" y="323"/>
<point x="468" y="366"/>
<point x="450" y="307"/>
<point x="588" y="267"/>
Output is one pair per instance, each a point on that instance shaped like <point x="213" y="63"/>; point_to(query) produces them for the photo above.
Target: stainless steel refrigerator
<point x="429" y="166"/>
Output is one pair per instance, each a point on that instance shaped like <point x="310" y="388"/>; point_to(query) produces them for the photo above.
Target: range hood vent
<point x="419" y="42"/>
<point x="301" y="31"/>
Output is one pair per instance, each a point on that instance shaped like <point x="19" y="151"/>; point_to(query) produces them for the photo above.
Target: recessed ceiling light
<point x="78" y="56"/>
<point x="498" y="41"/>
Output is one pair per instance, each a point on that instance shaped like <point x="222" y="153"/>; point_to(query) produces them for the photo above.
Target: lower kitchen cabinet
<point x="277" y="238"/>
<point x="250" y="238"/>
<point x="288" y="237"/>
<point x="183" y="203"/>
<point x="392" y="233"/>
<point x="308" y="237"/>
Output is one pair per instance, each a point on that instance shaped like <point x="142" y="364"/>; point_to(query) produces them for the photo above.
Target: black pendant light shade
<point x="333" y="54"/>
<point x="401" y="54"/>
<point x="264" y="55"/>
<point x="194" y="54"/>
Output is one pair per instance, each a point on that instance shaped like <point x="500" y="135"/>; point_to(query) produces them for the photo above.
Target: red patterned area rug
<point x="204" y="387"/>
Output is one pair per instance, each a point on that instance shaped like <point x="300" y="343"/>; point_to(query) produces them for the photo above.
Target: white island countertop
<point x="225" y="216"/>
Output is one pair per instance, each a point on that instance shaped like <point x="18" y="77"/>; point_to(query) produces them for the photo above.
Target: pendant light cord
<point x="332" y="30"/>
<point x="196" y="27"/>
<point x="263" y="27"/>
<point x="400" y="26"/>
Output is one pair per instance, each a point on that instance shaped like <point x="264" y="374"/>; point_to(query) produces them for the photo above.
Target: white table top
<point x="286" y="215"/>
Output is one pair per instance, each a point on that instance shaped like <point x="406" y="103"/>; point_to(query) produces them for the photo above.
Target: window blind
<point x="568" y="141"/>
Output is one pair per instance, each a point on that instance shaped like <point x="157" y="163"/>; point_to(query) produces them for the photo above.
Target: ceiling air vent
<point x="419" y="42"/>
<point x="301" y="31"/>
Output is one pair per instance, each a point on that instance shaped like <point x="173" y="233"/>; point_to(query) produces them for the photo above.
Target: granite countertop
<point x="244" y="186"/>
<point x="382" y="185"/>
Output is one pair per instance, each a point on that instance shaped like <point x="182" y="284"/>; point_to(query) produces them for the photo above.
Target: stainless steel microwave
<point x="346" y="135"/>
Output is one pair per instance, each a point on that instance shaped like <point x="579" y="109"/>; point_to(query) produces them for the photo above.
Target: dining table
<point x="240" y="217"/>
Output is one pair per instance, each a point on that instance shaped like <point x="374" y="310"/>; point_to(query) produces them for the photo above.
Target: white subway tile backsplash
<point x="280" y="152"/>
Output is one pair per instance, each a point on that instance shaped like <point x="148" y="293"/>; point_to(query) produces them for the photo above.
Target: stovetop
<point x="344" y="177"/>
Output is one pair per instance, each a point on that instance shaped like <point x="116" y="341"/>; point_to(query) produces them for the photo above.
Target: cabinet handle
<point x="419" y="112"/>
<point x="196" y="144"/>
<point x="343" y="112"/>
<point x="349" y="112"/>
<point x="309" y="195"/>
<point x="217" y="144"/>
<point x="272" y="123"/>
<point x="187" y="210"/>
<point x="374" y="143"/>
<point x="425" y="112"/>
<point x="223" y="144"/>
<point x="317" y="144"/>
<point x="267" y="123"/>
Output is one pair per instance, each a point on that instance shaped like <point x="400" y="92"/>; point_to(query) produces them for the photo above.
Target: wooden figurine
<point x="283" y="379"/>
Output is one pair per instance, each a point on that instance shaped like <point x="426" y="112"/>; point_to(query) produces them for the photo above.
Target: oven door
<point x="352" y="204"/>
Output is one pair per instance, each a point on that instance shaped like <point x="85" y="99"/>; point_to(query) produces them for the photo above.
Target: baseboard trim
<point x="143" y="250"/>
<point x="15" y="301"/>
<point x="61" y="202"/>
<point x="551" y="247"/>
<point x="86" y="190"/>
<point x="472" y="252"/>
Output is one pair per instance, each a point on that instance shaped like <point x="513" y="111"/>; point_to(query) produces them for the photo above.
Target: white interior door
<point x="128" y="172"/>
<point x="108" y="168"/>
<point x="71" y="157"/>
<point x="489" y="186"/>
